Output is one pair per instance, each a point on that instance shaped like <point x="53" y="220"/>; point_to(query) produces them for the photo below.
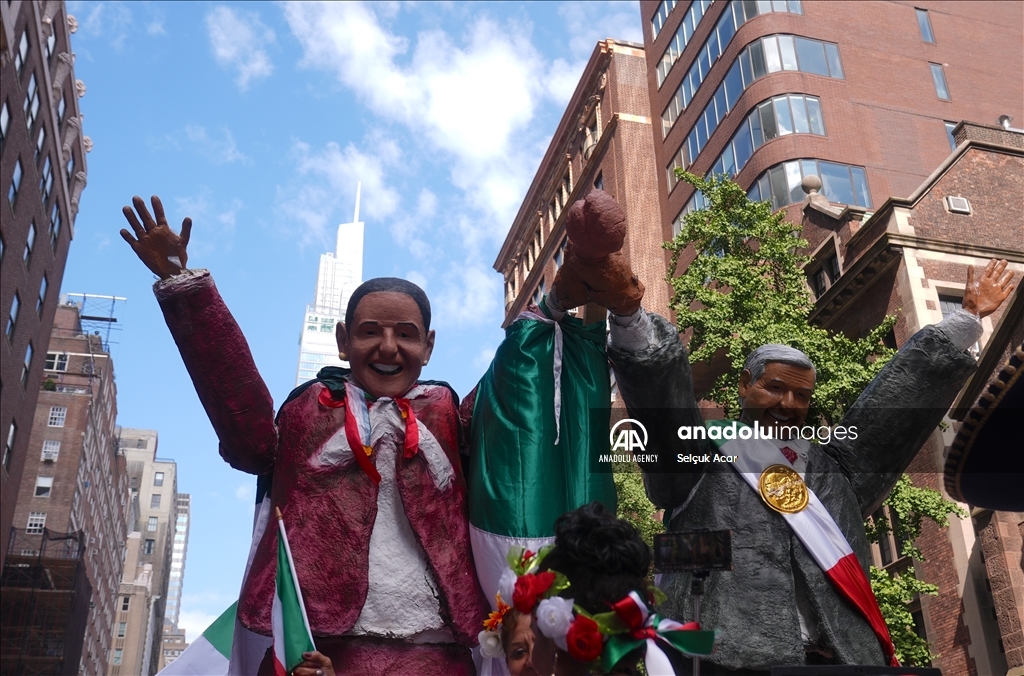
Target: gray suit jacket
<point x="753" y="605"/>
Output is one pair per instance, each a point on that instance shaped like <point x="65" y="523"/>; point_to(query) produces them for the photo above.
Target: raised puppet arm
<point x="212" y="346"/>
<point x="904" y="403"/>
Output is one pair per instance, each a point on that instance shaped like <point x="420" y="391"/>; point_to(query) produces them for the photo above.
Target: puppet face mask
<point x="780" y="397"/>
<point x="387" y="344"/>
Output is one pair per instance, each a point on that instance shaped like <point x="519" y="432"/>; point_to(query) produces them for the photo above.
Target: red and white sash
<point x="818" y="532"/>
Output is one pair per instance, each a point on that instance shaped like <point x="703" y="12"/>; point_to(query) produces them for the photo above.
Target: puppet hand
<point x="314" y="664"/>
<point x="983" y="296"/>
<point x="156" y="245"/>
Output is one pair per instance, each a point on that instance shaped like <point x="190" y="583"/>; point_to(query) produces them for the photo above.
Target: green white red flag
<point x="292" y="635"/>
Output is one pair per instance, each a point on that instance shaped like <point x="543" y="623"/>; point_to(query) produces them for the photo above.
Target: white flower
<point x="554" y="615"/>
<point x="507" y="585"/>
<point x="490" y="644"/>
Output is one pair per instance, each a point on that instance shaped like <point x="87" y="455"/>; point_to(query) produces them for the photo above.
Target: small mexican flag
<point x="292" y="635"/>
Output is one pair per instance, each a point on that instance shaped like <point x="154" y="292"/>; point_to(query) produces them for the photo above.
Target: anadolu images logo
<point x="626" y="439"/>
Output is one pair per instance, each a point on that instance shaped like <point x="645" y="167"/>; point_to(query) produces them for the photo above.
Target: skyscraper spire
<point x="340" y="273"/>
<point x="359" y="187"/>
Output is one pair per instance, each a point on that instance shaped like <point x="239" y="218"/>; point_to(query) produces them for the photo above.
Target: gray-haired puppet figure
<point x="798" y="592"/>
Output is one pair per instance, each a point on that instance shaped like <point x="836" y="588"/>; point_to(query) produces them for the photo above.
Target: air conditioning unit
<point x="958" y="205"/>
<point x="49" y="456"/>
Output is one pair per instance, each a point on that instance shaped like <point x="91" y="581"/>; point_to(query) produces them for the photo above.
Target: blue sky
<point x="256" y="120"/>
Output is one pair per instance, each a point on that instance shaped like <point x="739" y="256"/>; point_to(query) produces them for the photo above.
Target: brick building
<point x="74" y="478"/>
<point x="909" y="259"/>
<point x="863" y="94"/>
<point x="867" y="97"/>
<point x="603" y="140"/>
<point x="42" y="174"/>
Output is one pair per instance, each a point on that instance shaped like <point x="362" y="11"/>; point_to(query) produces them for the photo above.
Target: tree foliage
<point x="910" y="505"/>
<point x="746" y="288"/>
<point x="633" y="505"/>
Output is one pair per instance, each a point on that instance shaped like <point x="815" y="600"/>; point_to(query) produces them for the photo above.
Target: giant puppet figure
<point x="365" y="468"/>
<point x="798" y="592"/>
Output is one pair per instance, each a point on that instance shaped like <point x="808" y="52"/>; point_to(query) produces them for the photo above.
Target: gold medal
<point x="783" y="490"/>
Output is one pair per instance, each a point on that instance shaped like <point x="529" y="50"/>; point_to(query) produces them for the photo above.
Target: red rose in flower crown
<point x="584" y="639"/>
<point x="528" y="588"/>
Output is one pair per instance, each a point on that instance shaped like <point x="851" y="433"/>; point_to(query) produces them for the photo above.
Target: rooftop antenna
<point x="359" y="186"/>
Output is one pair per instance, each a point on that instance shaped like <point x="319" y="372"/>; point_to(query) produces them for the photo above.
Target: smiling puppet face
<point x="780" y="397"/>
<point x="386" y="343"/>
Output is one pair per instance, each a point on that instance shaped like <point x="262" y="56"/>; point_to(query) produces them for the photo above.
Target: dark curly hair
<point x="603" y="557"/>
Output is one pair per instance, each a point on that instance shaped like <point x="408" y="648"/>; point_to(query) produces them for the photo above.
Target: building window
<point x="148" y="546"/>
<point x="118" y="652"/>
<point x="122" y="629"/>
<point x="61" y="109"/>
<point x="40" y="142"/>
<point x="46" y="181"/>
<point x="51" y="450"/>
<point x="949" y="304"/>
<point x="54" y="225"/>
<point x="950" y="126"/>
<point x="694" y="14"/>
<point x="27" y="366"/>
<point x="779" y="116"/>
<point x="154" y="501"/>
<point x="5" y="124"/>
<point x="599" y="181"/>
<point x="36" y="523"/>
<point x="31" y="105"/>
<point x="12" y="318"/>
<point x="42" y="295"/>
<point x="44" y="484"/>
<point x="158" y="478"/>
<point x="767" y="55"/>
<point x="939" y="77"/>
<point x="12" y="192"/>
<point x="21" y="58"/>
<point x="825" y="275"/>
<point x="51" y="42"/>
<point x="840" y="183"/>
<point x="12" y="433"/>
<point x="151" y="524"/>
<point x="665" y="8"/>
<point x="925" y="24"/>
<point x="57" y="416"/>
<point x="29" y="244"/>
<point x="125" y="601"/>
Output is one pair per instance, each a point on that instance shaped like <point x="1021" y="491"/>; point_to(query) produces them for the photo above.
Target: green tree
<point x="910" y="505"/>
<point x="746" y="288"/>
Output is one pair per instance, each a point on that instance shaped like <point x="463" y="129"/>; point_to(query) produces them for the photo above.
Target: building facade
<point x="909" y="259"/>
<point x="74" y="478"/>
<point x="848" y="117"/>
<point x="603" y="141"/>
<point x="173" y="637"/>
<point x="153" y="482"/>
<point x="42" y="174"/>
<point x="339" y="275"/>
<point x="863" y="94"/>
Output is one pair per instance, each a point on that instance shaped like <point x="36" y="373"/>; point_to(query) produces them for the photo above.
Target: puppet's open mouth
<point x="386" y="369"/>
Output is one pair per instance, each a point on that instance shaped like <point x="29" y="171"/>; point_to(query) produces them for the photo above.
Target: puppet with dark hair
<point x="390" y="545"/>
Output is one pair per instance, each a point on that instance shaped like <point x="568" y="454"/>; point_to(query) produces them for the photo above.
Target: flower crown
<point x="607" y="637"/>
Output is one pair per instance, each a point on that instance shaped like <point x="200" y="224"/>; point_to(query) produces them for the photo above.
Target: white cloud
<point x="222" y="151"/>
<point x="483" y="359"/>
<point x="474" y="101"/>
<point x="194" y="622"/>
<point x="417" y="278"/>
<point x="245" y="493"/>
<point x="471" y="293"/>
<point x="237" y="39"/>
<point x="588" y="22"/>
<point x="228" y="217"/>
<point x="112" y="20"/>
<point x="156" y="27"/>
<point x="324" y="191"/>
